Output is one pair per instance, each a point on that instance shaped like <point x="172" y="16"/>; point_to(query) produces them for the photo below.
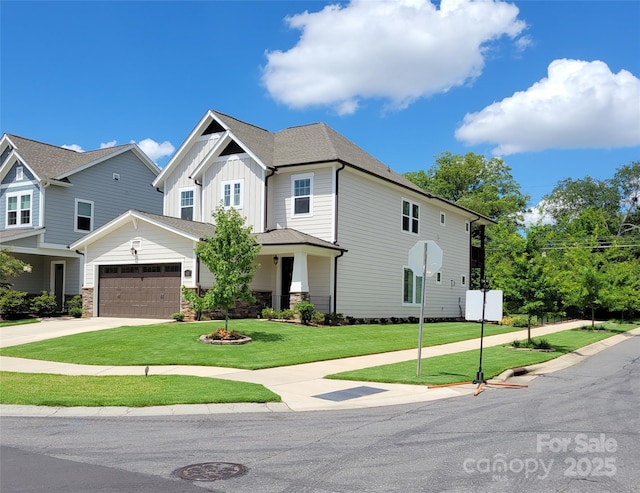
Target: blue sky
<point x="552" y="87"/>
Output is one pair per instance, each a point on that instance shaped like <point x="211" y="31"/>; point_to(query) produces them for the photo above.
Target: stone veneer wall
<point x="87" y="302"/>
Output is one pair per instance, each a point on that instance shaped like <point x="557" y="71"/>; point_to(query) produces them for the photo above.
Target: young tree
<point x="10" y="267"/>
<point x="230" y="255"/>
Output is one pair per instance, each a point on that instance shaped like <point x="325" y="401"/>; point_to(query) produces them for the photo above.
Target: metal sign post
<point x="423" y="295"/>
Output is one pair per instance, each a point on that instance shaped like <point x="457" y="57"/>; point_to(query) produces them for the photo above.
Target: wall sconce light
<point x="275" y="260"/>
<point x="187" y="273"/>
<point x="133" y="251"/>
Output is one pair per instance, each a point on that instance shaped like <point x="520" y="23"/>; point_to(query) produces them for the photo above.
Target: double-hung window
<point x="19" y="209"/>
<point x="84" y="215"/>
<point x="186" y="204"/>
<point x="232" y="194"/>
<point x="302" y="187"/>
<point x="411" y="288"/>
<point x="410" y="216"/>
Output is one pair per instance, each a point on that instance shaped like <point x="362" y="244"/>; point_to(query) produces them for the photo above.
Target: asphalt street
<point x="575" y="430"/>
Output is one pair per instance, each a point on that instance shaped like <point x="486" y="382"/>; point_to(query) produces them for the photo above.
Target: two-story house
<point x="335" y="225"/>
<point x="51" y="196"/>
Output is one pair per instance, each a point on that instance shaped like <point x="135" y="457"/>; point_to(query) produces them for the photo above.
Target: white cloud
<point x="73" y="147"/>
<point x="535" y="215"/>
<point x="578" y="105"/>
<point x="106" y="145"/>
<point x="155" y="150"/>
<point x="397" y="50"/>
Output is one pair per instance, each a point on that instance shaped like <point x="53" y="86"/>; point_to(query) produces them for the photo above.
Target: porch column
<point x="299" y="290"/>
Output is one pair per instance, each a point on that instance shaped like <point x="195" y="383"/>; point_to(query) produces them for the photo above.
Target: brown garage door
<point x="139" y="291"/>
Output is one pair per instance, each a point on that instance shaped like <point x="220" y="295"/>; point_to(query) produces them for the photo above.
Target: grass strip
<point x="131" y="391"/>
<point x="274" y="344"/>
<point x="462" y="367"/>
<point x="11" y="323"/>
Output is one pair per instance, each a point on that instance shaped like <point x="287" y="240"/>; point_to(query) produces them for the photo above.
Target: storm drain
<point x="210" y="471"/>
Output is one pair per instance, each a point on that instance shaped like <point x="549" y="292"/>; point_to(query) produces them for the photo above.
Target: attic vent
<point x="232" y="148"/>
<point x="213" y="128"/>
<point x="116" y="176"/>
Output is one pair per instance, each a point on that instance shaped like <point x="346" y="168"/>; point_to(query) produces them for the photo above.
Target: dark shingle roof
<point x="52" y="162"/>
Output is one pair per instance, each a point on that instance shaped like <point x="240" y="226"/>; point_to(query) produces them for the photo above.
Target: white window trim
<point x="294" y="178"/>
<point x="75" y="216"/>
<point x="442" y="219"/>
<point x="411" y="204"/>
<point x="231" y="184"/>
<point x="19" y="173"/>
<point x="19" y="210"/>
<point x="415" y="288"/>
<point x="180" y="206"/>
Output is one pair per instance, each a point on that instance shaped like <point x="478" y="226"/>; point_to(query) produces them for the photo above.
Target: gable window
<point x="302" y="185"/>
<point x="186" y="204"/>
<point x="410" y="216"/>
<point x="232" y="194"/>
<point x="84" y="215"/>
<point x="443" y="219"/>
<point x="19" y="173"/>
<point x="19" y="209"/>
<point x="411" y="288"/>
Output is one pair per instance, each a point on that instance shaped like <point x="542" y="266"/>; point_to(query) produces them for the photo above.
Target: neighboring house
<point x="335" y="225"/>
<point x="50" y="197"/>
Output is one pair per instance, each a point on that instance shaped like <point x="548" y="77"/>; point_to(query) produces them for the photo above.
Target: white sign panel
<point x="416" y="258"/>
<point x="492" y="309"/>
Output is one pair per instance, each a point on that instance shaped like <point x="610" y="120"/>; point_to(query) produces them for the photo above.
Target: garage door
<point x="139" y="291"/>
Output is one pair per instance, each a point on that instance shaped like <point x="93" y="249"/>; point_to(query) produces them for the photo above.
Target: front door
<point x="287" y="275"/>
<point x="58" y="284"/>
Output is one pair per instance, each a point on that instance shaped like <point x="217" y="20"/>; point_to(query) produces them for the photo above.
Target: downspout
<point x="266" y="198"/>
<point x="335" y="259"/>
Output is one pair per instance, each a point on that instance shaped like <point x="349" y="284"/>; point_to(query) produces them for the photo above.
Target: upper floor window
<point x="232" y="194"/>
<point x="410" y="216"/>
<point x="186" y="204"/>
<point x="84" y="215"/>
<point x="19" y="209"/>
<point x="302" y="186"/>
<point x="19" y="173"/>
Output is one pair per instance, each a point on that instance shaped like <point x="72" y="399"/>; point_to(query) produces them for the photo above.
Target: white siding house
<point x="335" y="225"/>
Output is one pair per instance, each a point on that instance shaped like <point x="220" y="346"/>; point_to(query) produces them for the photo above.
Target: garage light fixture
<point x="133" y="251"/>
<point x="275" y="260"/>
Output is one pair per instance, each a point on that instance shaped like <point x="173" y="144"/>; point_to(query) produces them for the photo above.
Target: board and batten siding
<point x="320" y="222"/>
<point x="231" y="168"/>
<point x="10" y="185"/>
<point x="179" y="178"/>
<point x="110" y="197"/>
<point x="370" y="274"/>
<point x="156" y="246"/>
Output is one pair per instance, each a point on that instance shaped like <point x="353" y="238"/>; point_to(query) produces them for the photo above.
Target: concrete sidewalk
<point x="302" y="387"/>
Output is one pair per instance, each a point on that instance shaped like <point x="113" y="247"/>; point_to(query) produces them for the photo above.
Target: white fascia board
<point x="186" y="145"/>
<point x="212" y="154"/>
<point x="248" y="151"/>
<point x="118" y="222"/>
<point x="6" y="165"/>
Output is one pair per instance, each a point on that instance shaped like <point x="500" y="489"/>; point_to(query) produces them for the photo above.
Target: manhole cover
<point x="210" y="471"/>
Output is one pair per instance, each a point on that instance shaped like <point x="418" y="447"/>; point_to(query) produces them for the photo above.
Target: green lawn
<point x="274" y="344"/>
<point x="132" y="391"/>
<point x="462" y="367"/>
<point x="10" y="323"/>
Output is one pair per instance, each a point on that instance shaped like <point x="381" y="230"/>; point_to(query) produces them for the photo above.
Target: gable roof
<point x="197" y="231"/>
<point x="51" y="162"/>
<point x="300" y="145"/>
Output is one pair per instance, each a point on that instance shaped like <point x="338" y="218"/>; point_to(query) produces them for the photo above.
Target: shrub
<point x="269" y="313"/>
<point x="542" y="344"/>
<point x="75" y="312"/>
<point x="223" y="334"/>
<point x="333" y="318"/>
<point x="178" y="316"/>
<point x="306" y="311"/>
<point x="75" y="302"/>
<point x="12" y="303"/>
<point x="45" y="304"/>
<point x="318" y="317"/>
<point x="286" y="314"/>
<point x="516" y="343"/>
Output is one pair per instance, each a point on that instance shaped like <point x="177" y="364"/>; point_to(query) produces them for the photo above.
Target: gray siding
<point x="10" y="185"/>
<point x="110" y="197"/>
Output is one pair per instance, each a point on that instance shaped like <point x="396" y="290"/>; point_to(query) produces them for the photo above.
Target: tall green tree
<point x="627" y="181"/>
<point x="230" y="254"/>
<point x="475" y="182"/>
